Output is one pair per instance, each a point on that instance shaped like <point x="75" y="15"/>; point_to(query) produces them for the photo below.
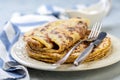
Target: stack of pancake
<point x="52" y="41"/>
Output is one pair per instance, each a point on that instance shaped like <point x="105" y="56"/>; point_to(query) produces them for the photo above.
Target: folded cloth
<point x="16" y="26"/>
<point x="9" y="68"/>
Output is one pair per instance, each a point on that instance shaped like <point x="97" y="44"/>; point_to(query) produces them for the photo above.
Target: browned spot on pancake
<point x="55" y="32"/>
<point x="86" y="24"/>
<point x="43" y="29"/>
<point x="79" y="17"/>
<point x="69" y="38"/>
<point x="59" y="36"/>
<point x="80" y="22"/>
<point x="71" y="29"/>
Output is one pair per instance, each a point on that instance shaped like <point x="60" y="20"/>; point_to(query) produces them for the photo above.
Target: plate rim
<point x="26" y="64"/>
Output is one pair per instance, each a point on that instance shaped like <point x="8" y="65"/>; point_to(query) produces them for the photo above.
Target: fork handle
<point x="63" y="59"/>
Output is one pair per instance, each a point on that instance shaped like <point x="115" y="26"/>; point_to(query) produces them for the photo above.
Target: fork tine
<point x="95" y="30"/>
<point x="96" y="27"/>
<point x="92" y="31"/>
<point x="98" y="30"/>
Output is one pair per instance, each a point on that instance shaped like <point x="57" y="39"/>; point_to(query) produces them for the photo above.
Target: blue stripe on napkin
<point x="5" y="40"/>
<point x="49" y="8"/>
<point x="17" y="34"/>
<point x="1" y="63"/>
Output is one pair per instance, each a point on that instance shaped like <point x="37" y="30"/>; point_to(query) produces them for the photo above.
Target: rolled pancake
<point x="57" y="36"/>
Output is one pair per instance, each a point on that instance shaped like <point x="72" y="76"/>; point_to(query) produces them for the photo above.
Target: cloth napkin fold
<point x="9" y="68"/>
<point x="16" y="26"/>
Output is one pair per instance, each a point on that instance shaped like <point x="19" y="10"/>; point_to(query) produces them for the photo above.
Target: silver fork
<point x="92" y="36"/>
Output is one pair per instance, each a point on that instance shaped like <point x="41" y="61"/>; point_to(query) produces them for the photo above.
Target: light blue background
<point x="8" y="7"/>
<point x="111" y="24"/>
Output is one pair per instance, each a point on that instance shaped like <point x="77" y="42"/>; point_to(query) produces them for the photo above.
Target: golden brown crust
<point x="98" y="53"/>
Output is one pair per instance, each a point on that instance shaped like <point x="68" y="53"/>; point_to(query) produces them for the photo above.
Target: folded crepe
<point x="57" y="36"/>
<point x="52" y="41"/>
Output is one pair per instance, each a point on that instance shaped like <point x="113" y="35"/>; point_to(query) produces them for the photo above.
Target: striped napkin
<point x="16" y="26"/>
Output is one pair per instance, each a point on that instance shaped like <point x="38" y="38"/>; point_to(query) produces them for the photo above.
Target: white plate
<point x="18" y="52"/>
